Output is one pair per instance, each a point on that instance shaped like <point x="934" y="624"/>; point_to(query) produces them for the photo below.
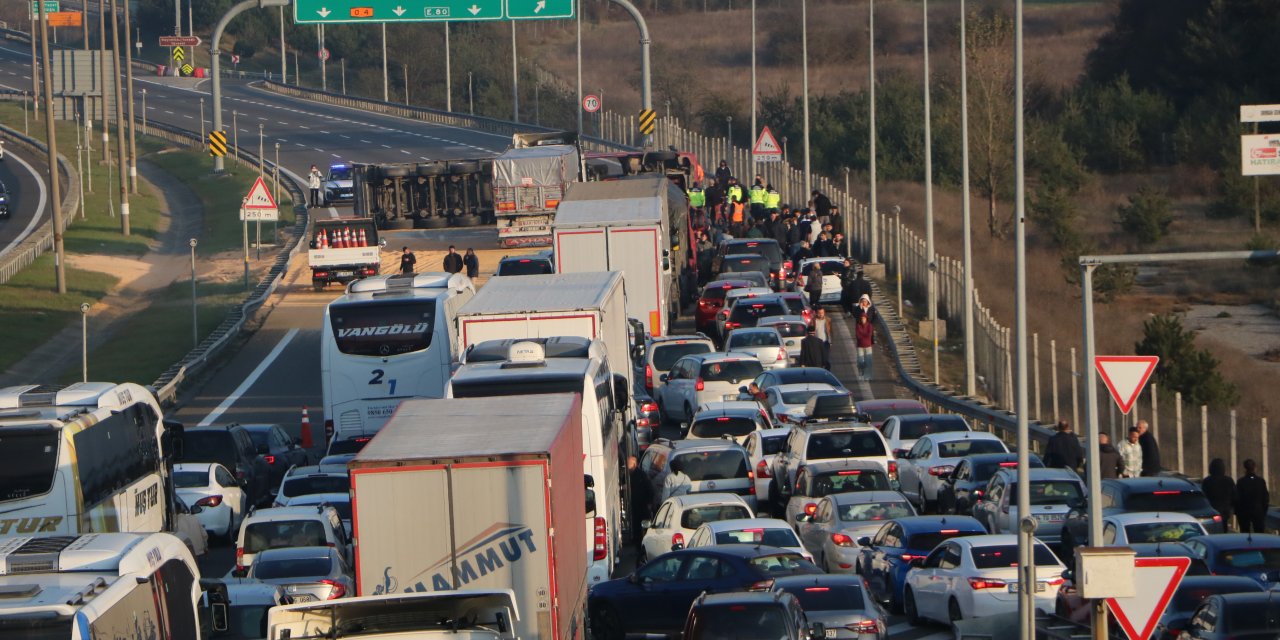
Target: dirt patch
<point x="1250" y="329"/>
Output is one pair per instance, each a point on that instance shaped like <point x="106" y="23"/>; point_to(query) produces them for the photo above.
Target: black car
<point x="1241" y="616"/>
<point x="529" y="265"/>
<point x="1123" y="495"/>
<point x="745" y="262"/>
<point x="656" y="597"/>
<point x="231" y="446"/>
<point x="1192" y="591"/>
<point x="751" y="615"/>
<point x="278" y="448"/>
<point x="779" y="265"/>
<point x="969" y="479"/>
<point x="4" y="201"/>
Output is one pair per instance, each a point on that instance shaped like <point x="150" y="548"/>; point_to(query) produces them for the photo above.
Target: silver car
<point x="763" y="343"/>
<point x="791" y="328"/>
<point x="1054" y="494"/>
<point x="705" y="377"/>
<point x="842" y="603"/>
<point x="307" y="574"/>
<point x="831" y="533"/>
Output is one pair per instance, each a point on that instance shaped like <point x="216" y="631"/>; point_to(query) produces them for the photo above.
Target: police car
<point x="338" y="187"/>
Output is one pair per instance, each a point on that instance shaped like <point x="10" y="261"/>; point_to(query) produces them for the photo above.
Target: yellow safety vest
<point x="697" y="198"/>
<point x="735" y="193"/>
<point x="757" y="194"/>
<point x="772" y="199"/>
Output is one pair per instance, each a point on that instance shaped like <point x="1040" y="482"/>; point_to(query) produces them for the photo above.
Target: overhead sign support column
<point x="218" y="166"/>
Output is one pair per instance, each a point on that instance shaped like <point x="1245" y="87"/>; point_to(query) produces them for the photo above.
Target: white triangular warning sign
<point x="259" y="197"/>
<point x="766" y="148"/>
<point x="1125" y="376"/>
<point x="1157" y="579"/>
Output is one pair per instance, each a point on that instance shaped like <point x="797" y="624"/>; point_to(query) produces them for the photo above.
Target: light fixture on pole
<point x="84" y="341"/>
<point x="195" y="324"/>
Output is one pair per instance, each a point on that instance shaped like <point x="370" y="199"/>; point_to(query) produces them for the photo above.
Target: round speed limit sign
<point x="591" y="104"/>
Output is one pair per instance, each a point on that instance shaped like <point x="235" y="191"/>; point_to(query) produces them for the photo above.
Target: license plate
<point x="730" y="397"/>
<point x="1050" y="517"/>
<point x="1013" y="587"/>
<point x="304" y="597"/>
<point x="341" y="274"/>
<point x="831" y="633"/>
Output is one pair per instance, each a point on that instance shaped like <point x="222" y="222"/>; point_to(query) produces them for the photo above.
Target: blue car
<point x="1251" y="555"/>
<point x="656" y="598"/>
<point x="887" y="555"/>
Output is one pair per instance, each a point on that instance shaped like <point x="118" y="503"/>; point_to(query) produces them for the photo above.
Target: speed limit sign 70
<point x="591" y="104"/>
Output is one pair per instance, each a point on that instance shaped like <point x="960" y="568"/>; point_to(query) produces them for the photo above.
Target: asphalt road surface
<point x="23" y="178"/>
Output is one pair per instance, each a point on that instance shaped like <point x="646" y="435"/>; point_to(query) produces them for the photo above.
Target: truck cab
<point x="343" y="250"/>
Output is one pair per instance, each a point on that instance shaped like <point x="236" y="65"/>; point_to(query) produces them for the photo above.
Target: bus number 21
<point x="377" y="379"/>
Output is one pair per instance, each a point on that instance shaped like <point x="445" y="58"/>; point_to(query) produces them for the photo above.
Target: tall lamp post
<point x="932" y="279"/>
<point x="84" y="341"/>
<point x="970" y="373"/>
<point x="195" y="324"/>
<point x="871" y="84"/>
<point x="804" y="54"/>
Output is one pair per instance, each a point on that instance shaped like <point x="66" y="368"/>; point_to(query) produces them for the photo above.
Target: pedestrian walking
<point x="865" y="308"/>
<point x="1063" y="450"/>
<point x="314" y="179"/>
<point x="1110" y="464"/>
<point x="1252" y="500"/>
<point x="641" y="498"/>
<point x="1131" y="454"/>
<point x="407" y="260"/>
<point x="813" y="286"/>
<point x="864" y="336"/>
<point x="1150" y="449"/>
<point x="677" y="483"/>
<point x="1220" y="489"/>
<point x="453" y="261"/>
<point x="472" y="263"/>
<point x="813" y="351"/>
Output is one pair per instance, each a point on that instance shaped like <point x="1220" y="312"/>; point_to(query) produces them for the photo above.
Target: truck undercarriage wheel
<point x="466" y="221"/>
<point x="400" y="223"/>
<point x="431" y="222"/>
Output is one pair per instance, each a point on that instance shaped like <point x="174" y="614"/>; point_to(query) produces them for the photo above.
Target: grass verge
<point x="32" y="312"/>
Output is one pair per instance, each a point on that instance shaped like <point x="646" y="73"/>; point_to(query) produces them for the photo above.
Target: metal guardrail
<point x="41" y="239"/>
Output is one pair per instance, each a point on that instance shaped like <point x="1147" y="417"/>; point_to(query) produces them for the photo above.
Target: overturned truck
<point x="425" y="195"/>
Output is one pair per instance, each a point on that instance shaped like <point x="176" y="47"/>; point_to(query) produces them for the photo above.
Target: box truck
<point x="639" y="226"/>
<point x="478" y="493"/>
<point x="465" y="614"/>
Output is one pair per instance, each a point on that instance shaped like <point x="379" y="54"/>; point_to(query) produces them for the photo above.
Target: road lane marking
<point x="249" y="381"/>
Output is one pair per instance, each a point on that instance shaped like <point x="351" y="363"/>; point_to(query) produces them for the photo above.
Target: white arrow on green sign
<point x="333" y="11"/>
<point x="50" y="6"/>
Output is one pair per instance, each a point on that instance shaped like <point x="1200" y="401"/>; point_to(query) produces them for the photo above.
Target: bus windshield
<point x="383" y="328"/>
<point x="28" y="462"/>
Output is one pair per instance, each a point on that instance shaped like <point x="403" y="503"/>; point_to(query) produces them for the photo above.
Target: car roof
<point x="922" y="524"/>
<point x="743" y="550"/>
<point x="746" y="523"/>
<point x="1163" y="549"/>
<point x="728" y="242"/>
<point x="743" y="330"/>
<point x="287" y="513"/>
<point x="199" y="467"/>
<point x="259" y="427"/>
<point x="822" y="259"/>
<point x="980" y="458"/>
<point x="720" y="356"/>
<point x="802" y="374"/>
<point x="527" y="256"/>
<point x="839" y="425"/>
<point x="1144" y="517"/>
<point x="805" y="386"/>
<point x="1246" y="584"/>
<point x="775" y="432"/>
<point x="846" y="464"/>
<point x="294" y="553"/>
<point x="952" y="436"/>
<point x="1149" y="484"/>
<point x="991" y="540"/>
<point x="1239" y="540"/>
<point x="316" y="470"/>
<point x="740" y="408"/>
<point x="726" y="283"/>
<point x="753" y="292"/>
<point x="790" y="319"/>
<point x="927" y="418"/>
<point x="319" y="498"/>
<point x="221" y="428"/>
<point x="743" y="256"/>
<point x="818" y="580"/>
<point x="890" y="403"/>
<point x="694" y="446"/>
<point x="704" y="499"/>
<point x="767" y="598"/>
<point x="662" y="340"/>
<point x="864" y="497"/>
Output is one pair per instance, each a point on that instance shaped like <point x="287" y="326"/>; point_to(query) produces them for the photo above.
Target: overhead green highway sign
<point x="335" y="11"/>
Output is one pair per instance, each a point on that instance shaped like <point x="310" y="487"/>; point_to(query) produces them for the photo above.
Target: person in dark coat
<point x="472" y="262"/>
<point x="1252" y="499"/>
<point x="1110" y="464"/>
<point x="821" y="205"/>
<point x="813" y="351"/>
<point x="1220" y="489"/>
<point x="1150" y="449"/>
<point x="813" y="285"/>
<point x="1063" y="450"/>
<point x="723" y="173"/>
<point x="855" y="286"/>
<point x="453" y="261"/>
<point x="641" y="499"/>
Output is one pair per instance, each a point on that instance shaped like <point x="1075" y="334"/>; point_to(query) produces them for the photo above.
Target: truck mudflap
<point x="491" y="612"/>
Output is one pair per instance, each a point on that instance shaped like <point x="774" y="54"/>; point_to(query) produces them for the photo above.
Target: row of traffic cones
<point x="340" y="239"/>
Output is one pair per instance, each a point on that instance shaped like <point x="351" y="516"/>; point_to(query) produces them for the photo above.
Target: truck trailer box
<point x="638" y="226"/>
<point x="590" y="305"/>
<point x="528" y="185"/>
<point x="478" y="493"/>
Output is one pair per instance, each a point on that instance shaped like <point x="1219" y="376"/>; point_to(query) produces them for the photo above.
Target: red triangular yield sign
<point x="766" y="145"/>
<point x="259" y="196"/>
<point x="1156" y="580"/>
<point x="1125" y="376"/>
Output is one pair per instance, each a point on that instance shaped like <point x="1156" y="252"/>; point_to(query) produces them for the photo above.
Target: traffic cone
<point x="306" y="429"/>
<point x="333" y="240"/>
<point x="363" y="242"/>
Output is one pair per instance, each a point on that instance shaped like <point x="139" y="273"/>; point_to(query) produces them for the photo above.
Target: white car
<point x="923" y="470"/>
<point x="902" y="431"/>
<point x="828" y="441"/>
<point x="321" y="478"/>
<point x="763" y="446"/>
<point x="310" y="526"/>
<point x="832" y="275"/>
<point x="188" y="528"/>
<point x="976" y="577"/>
<point x="661" y="353"/>
<point x="339" y="501"/>
<point x="767" y="531"/>
<point x="728" y="419"/>
<point x="1135" y="527"/>
<point x="214" y="489"/>
<point x="678" y="517"/>
<point x="706" y="377"/>
<point x="787" y="401"/>
<point x="765" y="343"/>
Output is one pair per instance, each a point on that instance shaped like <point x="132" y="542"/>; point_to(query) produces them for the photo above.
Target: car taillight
<point x="601" y="550"/>
<point x="893" y="470"/>
<point x="979" y="584"/>
<point x="320" y="274"/>
<point x="751" y="488"/>
<point x="731" y="325"/>
<point x="977" y="493"/>
<point x="941" y="471"/>
<point x="841" y="540"/>
<point x="240" y="558"/>
<point x="338" y="589"/>
<point x="210" y="501"/>
<point x="761" y="585"/>
<point x="786" y="265"/>
<point x="649" y="407"/>
<point x="698" y="385"/>
<point x="762" y="469"/>
<point x="648" y="377"/>
<point x="269" y="459"/>
<point x="810" y="508"/>
<point x="782" y="354"/>
<point x="1055" y="582"/>
<point x="1217" y="518"/>
<point x="677" y="539"/>
<point x="864" y="626"/>
<point x="371" y="272"/>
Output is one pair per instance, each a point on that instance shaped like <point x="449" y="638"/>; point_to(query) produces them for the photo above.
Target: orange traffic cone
<point x="321" y="240"/>
<point x="306" y="429"/>
<point x="363" y="242"/>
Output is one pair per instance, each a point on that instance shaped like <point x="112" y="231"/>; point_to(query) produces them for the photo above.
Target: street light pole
<point x="874" y="212"/>
<point x="133" y="115"/>
<point x="580" y="110"/>
<point x="386" y="95"/>
<point x="84" y="342"/>
<point x="754" y="124"/>
<point x="970" y="372"/>
<point x="448" y="73"/>
<point x="804" y="53"/>
<point x="1026" y="558"/>
<point x="284" y="51"/>
<point x="60" y="273"/>
<point x="931" y="281"/>
<point x="471" y="101"/>
<point x="195" y="324"/>
<point x="120" y="127"/>
<point x="515" y="77"/>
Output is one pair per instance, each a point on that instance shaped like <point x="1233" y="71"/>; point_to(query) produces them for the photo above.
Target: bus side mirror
<point x="621" y="392"/>
<point x="219" y="613"/>
<point x="591" y="502"/>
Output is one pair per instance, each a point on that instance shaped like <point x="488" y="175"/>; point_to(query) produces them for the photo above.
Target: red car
<point x="712" y="301"/>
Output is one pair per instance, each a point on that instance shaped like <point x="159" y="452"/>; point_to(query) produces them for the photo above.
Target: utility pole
<point x="580" y="109"/>
<point x="932" y="279"/>
<point x="133" y="114"/>
<point x="970" y="367"/>
<point x="406" y="83"/>
<point x="102" y="71"/>
<point x="35" y="63"/>
<point x="284" y="50"/>
<point x="448" y="73"/>
<point x="515" y="77"/>
<point x="1026" y="558"/>
<point x="874" y="213"/>
<point x="804" y="53"/>
<point x="120" y="140"/>
<point x="320" y="53"/>
<point x="754" y="127"/>
<point x="55" y="191"/>
<point x="386" y="96"/>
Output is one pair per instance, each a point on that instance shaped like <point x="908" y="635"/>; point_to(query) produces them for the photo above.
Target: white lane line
<point x="405" y="152"/>
<point x="386" y="146"/>
<point x="39" y="206"/>
<point x="249" y="381"/>
<point x="366" y="142"/>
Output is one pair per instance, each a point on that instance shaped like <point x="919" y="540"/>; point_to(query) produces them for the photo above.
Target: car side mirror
<point x="817" y="631"/>
<point x="243" y="482"/>
<point x="864" y="541"/>
<point x="744" y="390"/>
<point x="646" y="524"/>
<point x="591" y="502"/>
<point x="194" y="510"/>
<point x="1068" y="574"/>
<point x="240" y="572"/>
<point x="677" y="546"/>
<point x="917" y="562"/>
<point x="382" y="243"/>
<point x="664" y="377"/>
<point x="804" y="517"/>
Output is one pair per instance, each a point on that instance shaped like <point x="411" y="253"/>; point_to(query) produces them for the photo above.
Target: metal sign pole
<point x="245" y="223"/>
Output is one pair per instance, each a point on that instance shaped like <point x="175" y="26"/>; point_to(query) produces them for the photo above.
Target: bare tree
<point x="990" y="68"/>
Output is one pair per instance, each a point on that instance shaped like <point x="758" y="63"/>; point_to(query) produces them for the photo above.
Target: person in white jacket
<point x="313" y="180"/>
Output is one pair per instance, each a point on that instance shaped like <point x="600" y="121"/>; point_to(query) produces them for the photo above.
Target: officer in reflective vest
<point x="735" y="191"/>
<point x="757" y="196"/>
<point x="697" y="198"/>
<point x="772" y="199"/>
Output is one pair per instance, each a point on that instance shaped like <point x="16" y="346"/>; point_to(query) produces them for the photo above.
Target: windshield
<point x="30" y="459"/>
<point x="665" y="355"/>
<point x="1059" y="492"/>
<point x="783" y="563"/>
<point x="695" y="517"/>
<point x="745" y="263"/>
<point x="189" y="479"/>
<point x="848" y="482"/>
<point x="306" y="485"/>
<point x="353" y="445"/>
<point x="795" y="305"/>
<point x="927" y="541"/>
<point x="1251" y="558"/>
<point x="261" y="438"/>
<point x="828" y="267"/>
<point x="749" y="311"/>
<point x="524" y="267"/>
<point x="874" y="511"/>
<point x="806" y="374"/>
<point x="753" y="339"/>
<point x="245" y="622"/>
<point x="802" y="397"/>
<point x="1004" y="556"/>
<point x="292" y="568"/>
<point x="209" y="445"/>
<point x="1251" y="616"/>
<point x="915" y="429"/>
<point x="770" y="250"/>
<point x="844" y="444"/>
<point x="739" y="621"/>
<point x="961" y="448"/>
<point x="1182" y="501"/>
<point x="842" y="597"/>
<point x="769" y="537"/>
<point x="1162" y="531"/>
<point x="259" y="536"/>
<point x="714" y="465"/>
<point x="383" y="328"/>
<point x="730" y="370"/>
<point x="340" y="172"/>
<point x="722" y="426"/>
<point x="513" y="386"/>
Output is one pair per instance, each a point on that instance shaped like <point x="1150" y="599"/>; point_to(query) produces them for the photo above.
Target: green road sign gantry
<point x="333" y="11"/>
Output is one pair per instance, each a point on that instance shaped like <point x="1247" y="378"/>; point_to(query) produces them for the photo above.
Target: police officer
<point x="697" y="198"/>
<point x="734" y="192"/>
<point x="772" y="199"/>
<point x="756" y="194"/>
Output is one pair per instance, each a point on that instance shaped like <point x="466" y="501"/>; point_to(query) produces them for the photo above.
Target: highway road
<point x="23" y="178"/>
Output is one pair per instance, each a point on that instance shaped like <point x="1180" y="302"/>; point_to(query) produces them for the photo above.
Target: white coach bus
<point x="89" y="457"/>
<point x="121" y="586"/>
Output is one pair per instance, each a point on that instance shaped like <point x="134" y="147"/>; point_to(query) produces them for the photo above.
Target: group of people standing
<point x="452" y="263"/>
